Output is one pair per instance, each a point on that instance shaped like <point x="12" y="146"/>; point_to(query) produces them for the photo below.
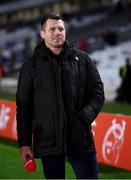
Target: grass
<point x="117" y="108"/>
<point x="11" y="166"/>
<point x="6" y="96"/>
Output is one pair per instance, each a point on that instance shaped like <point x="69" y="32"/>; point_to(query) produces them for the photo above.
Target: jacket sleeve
<point x="94" y="94"/>
<point x="24" y="105"/>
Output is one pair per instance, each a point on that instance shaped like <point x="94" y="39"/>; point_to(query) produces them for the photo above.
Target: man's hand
<point x="24" y="150"/>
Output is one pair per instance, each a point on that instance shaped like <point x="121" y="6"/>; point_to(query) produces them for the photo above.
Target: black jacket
<point x="58" y="97"/>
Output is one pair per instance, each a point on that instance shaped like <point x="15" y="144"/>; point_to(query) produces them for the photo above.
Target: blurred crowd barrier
<point x="112" y="137"/>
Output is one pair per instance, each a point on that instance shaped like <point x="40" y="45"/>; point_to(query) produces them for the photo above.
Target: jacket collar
<point x="41" y="49"/>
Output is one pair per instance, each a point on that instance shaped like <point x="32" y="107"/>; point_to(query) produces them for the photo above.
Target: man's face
<point x="54" y="33"/>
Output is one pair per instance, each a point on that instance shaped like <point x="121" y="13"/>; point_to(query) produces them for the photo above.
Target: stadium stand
<point x="21" y="40"/>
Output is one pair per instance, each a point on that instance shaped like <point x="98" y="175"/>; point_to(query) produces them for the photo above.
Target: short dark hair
<point x="53" y="15"/>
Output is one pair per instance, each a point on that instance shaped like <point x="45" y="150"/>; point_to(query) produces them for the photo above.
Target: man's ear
<point x="42" y="34"/>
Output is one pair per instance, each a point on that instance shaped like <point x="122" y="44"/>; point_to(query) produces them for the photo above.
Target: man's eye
<point x="61" y="29"/>
<point x="52" y="29"/>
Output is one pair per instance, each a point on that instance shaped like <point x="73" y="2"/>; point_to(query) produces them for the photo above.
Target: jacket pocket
<point x="44" y="129"/>
<point x="81" y="134"/>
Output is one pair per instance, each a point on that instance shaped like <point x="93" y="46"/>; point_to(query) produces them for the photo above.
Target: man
<point x="124" y="91"/>
<point x="59" y="95"/>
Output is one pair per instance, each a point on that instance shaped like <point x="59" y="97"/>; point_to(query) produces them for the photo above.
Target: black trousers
<point x="85" y="166"/>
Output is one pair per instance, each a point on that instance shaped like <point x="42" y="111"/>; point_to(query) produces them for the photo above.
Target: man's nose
<point x="57" y="31"/>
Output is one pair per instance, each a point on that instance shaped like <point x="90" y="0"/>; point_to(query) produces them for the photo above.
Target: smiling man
<point x="59" y="95"/>
<point x="53" y="32"/>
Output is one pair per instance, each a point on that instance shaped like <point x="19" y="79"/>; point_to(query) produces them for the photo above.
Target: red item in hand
<point x="30" y="164"/>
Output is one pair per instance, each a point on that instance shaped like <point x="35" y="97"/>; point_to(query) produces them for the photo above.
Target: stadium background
<point x="86" y="21"/>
